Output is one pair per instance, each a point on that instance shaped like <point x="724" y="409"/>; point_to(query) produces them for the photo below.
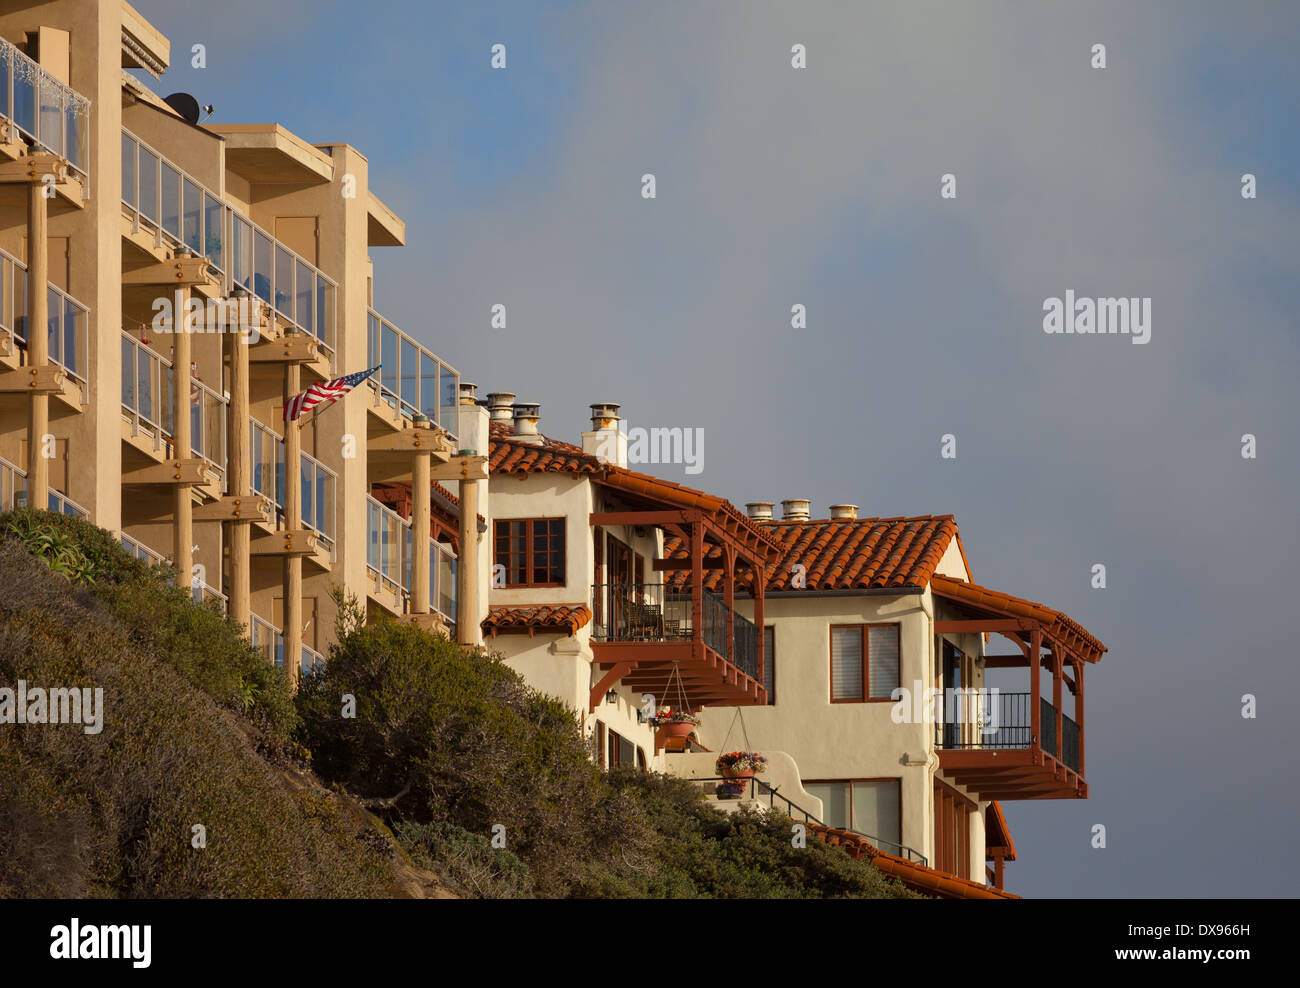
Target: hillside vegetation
<point x="446" y="773"/>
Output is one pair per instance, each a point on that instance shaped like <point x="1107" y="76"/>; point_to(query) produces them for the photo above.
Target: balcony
<point x="413" y="381"/>
<point x="695" y="641"/>
<point x="40" y="107"/>
<point x="1016" y="745"/>
<point x="319" y="484"/>
<point x="66" y="325"/>
<point x="148" y="407"/>
<point x="388" y="564"/>
<point x="173" y="209"/>
<point x="13" y="493"/>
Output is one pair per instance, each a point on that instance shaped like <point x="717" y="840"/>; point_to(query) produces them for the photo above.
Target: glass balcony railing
<point x="389" y="556"/>
<point x="142" y="551"/>
<point x="412" y="380"/>
<point x="13" y="493"/>
<point x="267" y="639"/>
<point x="67" y="322"/>
<point x="46" y="110"/>
<point x="148" y="389"/>
<point x="319" y="482"/>
<point x="163" y="198"/>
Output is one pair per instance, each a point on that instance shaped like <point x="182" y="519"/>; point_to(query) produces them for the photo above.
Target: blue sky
<point x="821" y="187"/>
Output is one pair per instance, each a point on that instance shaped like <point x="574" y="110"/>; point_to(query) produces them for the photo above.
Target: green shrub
<point x="481" y="870"/>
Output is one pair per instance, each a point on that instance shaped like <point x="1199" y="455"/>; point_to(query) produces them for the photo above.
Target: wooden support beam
<point x="461" y="468"/>
<point x="298" y="542"/>
<point x="673" y="565"/>
<point x="48" y="379"/>
<point x="177" y="273"/>
<point x="413" y="441"/>
<point x="32" y="169"/>
<point x="1000" y="625"/>
<point x="606" y="681"/>
<point x="644" y="517"/>
<point x="248" y="508"/>
<point x="192" y="470"/>
<point x="291" y="348"/>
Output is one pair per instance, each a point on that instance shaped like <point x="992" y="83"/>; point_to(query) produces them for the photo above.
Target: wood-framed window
<point x="531" y="550"/>
<point x="870" y="806"/>
<point x="769" y="663"/>
<point x="599" y="736"/>
<point x="620" y="751"/>
<point x="952" y="815"/>
<point x="866" y="662"/>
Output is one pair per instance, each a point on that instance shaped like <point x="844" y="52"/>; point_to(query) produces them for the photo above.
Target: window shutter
<point x="883" y="652"/>
<point x="846" y="664"/>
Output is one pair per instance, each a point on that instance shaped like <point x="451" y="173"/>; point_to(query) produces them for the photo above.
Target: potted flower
<point x="674" y="723"/>
<point x="739" y="767"/>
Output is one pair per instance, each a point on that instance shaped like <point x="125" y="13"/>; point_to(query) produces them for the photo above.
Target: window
<point x="869" y="806"/>
<point x="621" y="751"/>
<point x="769" y="663"/>
<point x="865" y="662"/>
<point x="598" y="735"/>
<point x="532" y="551"/>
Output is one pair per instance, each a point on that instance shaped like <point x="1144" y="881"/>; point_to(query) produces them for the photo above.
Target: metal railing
<point x="142" y="551"/>
<point x="646" y="612"/>
<point x="758" y="789"/>
<point x="67" y="324"/>
<point x="961" y="725"/>
<point x="51" y="113"/>
<point x="148" y="390"/>
<point x="413" y="380"/>
<point x="162" y="198"/>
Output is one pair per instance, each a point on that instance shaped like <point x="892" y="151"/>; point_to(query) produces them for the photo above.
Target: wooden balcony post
<point x="468" y="631"/>
<point x="1057" y="680"/>
<point x="1078" y="713"/>
<point x="1035" y="685"/>
<point x="729" y="597"/>
<point x="182" y="438"/>
<point x="238" y="475"/>
<point x="292" y="523"/>
<point x="38" y="344"/>
<point x="697" y="579"/>
<point x="759" y="585"/>
<point x="421" y="526"/>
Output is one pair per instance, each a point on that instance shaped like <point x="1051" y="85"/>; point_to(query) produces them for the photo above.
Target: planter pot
<point x="678" y="729"/>
<point x="739" y="778"/>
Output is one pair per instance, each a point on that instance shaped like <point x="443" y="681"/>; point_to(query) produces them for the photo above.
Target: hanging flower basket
<point x="674" y="723"/>
<point x="739" y="767"/>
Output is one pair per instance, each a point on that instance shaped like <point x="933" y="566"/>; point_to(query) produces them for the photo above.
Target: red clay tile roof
<point x="566" y="618"/>
<point x="859" y="554"/>
<point x="509" y="455"/>
<point x="1058" y="624"/>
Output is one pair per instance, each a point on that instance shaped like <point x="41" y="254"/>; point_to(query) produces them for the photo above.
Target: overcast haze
<point x="821" y="186"/>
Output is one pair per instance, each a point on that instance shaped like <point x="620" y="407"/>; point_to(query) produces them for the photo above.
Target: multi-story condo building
<point x="615" y="590"/>
<point x="139" y="245"/>
<point x="143" y="246"/>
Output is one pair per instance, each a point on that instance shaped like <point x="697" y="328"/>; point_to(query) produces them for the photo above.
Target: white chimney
<point x="795" y="509"/>
<point x="527" y="415"/>
<point x="844" y="512"/>
<point x="472" y="419"/>
<point x="501" y="406"/>
<point x="759" y="510"/>
<point x="606" y="439"/>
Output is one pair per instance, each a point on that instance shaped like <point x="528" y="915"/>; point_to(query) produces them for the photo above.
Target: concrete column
<point x="238" y="474"/>
<point x="38" y="343"/>
<point x="182" y="435"/>
<point x="421" y="519"/>
<point x="293" y="523"/>
<point x="468" y="631"/>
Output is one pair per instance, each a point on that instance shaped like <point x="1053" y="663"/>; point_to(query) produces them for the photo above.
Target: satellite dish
<point x="184" y="104"/>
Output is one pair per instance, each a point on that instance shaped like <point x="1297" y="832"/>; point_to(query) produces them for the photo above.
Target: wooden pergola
<point x="1046" y="765"/>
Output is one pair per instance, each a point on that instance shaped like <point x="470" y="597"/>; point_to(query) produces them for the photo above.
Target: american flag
<point x="328" y="391"/>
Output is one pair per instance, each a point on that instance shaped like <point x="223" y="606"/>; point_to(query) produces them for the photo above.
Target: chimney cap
<point x="501" y="405"/>
<point x="844" y="512"/>
<point x="759" y="510"/>
<point x="795" y="509"/>
<point x="604" y="415"/>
